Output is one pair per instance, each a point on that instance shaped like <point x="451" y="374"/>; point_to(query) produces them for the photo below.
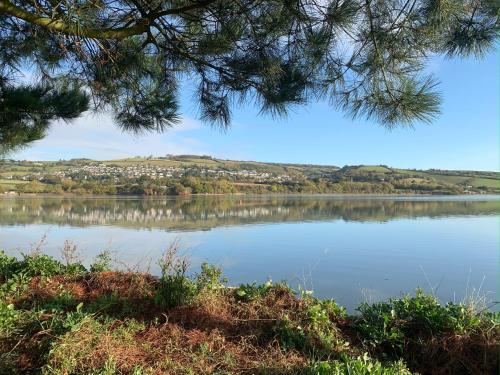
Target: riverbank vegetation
<point x="59" y="317"/>
<point x="189" y="174"/>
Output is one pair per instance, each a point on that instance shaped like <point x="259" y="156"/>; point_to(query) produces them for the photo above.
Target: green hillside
<point x="191" y="174"/>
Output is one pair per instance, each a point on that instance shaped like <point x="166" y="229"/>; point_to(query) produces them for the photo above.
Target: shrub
<point x="389" y="324"/>
<point x="8" y="266"/>
<point x="291" y="335"/>
<point x="41" y="265"/>
<point x="210" y="278"/>
<point x="174" y="288"/>
<point x="35" y="265"/>
<point x="75" y="269"/>
<point x="316" y="332"/>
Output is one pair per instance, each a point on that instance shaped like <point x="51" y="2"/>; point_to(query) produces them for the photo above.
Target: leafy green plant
<point x="389" y="324"/>
<point x="325" y="309"/>
<point x="41" y="265"/>
<point x="378" y="326"/>
<point x="15" y="285"/>
<point x="249" y="292"/>
<point x="463" y="318"/>
<point x="62" y="301"/>
<point x="68" y="321"/>
<point x="356" y="366"/>
<point x="8" y="266"/>
<point x="35" y="265"/>
<point x="75" y="269"/>
<point x="291" y="334"/>
<point x="9" y="319"/>
<point x="322" y="316"/>
<point x="174" y="288"/>
<point x="316" y="332"/>
<point x="102" y="262"/>
<point x="210" y="278"/>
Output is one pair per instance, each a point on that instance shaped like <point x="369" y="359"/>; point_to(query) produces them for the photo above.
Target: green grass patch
<point x="373" y="168"/>
<point x="488" y="182"/>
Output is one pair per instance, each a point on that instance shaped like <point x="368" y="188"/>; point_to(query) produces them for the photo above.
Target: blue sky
<point x="465" y="136"/>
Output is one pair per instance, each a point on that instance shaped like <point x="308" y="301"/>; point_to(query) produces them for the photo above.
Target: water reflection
<point x="348" y="248"/>
<point x="207" y="212"/>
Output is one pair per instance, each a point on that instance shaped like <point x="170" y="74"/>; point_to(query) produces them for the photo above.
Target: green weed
<point x="356" y="366"/>
<point x="8" y="266"/>
<point x="41" y="265"/>
<point x="250" y="292"/>
<point x="390" y="324"/>
<point x="9" y="319"/>
<point x="315" y="333"/>
<point x="102" y="262"/>
<point x="61" y="302"/>
<point x="15" y="286"/>
<point x="210" y="278"/>
<point x="175" y="288"/>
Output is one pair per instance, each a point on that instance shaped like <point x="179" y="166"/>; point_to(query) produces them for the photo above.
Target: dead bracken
<point x="60" y="318"/>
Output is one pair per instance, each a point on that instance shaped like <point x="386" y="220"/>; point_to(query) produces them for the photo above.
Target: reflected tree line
<point x="210" y="212"/>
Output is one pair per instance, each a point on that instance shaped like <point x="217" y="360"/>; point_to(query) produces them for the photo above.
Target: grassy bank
<point x="61" y="318"/>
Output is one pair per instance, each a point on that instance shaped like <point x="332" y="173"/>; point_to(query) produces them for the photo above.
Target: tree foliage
<point x="367" y="57"/>
<point x="26" y="111"/>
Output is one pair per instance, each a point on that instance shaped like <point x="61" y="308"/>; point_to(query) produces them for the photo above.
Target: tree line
<point x="205" y="185"/>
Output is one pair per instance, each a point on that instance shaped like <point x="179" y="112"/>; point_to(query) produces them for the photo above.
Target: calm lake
<point x="349" y="248"/>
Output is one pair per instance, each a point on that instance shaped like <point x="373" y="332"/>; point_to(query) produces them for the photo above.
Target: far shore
<point x="12" y="195"/>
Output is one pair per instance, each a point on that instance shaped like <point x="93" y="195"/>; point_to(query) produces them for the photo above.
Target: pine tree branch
<point x="140" y="27"/>
<point x="377" y="51"/>
<point x="186" y="8"/>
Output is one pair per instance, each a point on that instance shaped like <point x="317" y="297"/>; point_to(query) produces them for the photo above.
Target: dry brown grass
<point x="89" y="287"/>
<point x="216" y="333"/>
<point x="170" y="349"/>
<point x="476" y="354"/>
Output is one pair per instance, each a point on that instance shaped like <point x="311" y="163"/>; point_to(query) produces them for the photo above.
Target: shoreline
<point x="64" y="318"/>
<point x="186" y="196"/>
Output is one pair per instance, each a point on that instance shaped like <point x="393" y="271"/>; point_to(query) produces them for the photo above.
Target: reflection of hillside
<point x="210" y="212"/>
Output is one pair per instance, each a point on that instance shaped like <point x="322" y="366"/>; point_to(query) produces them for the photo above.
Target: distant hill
<point x="244" y="176"/>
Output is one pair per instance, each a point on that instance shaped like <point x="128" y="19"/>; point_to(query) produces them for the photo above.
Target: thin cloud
<point x="96" y="137"/>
